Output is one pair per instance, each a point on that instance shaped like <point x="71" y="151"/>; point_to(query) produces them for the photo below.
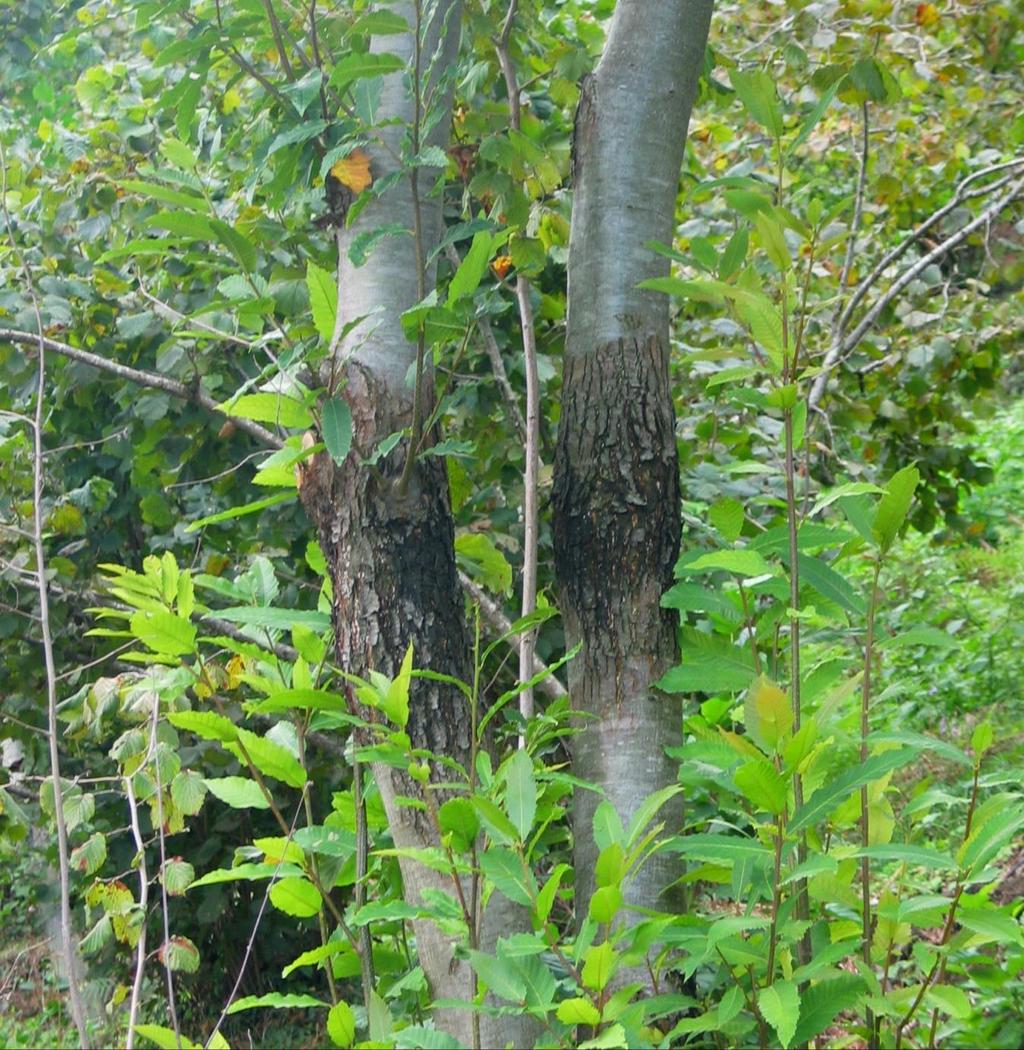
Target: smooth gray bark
<point x="387" y="535"/>
<point x="616" y="495"/>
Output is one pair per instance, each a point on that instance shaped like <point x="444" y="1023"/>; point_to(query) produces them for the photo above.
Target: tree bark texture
<point x="616" y="491"/>
<point x="389" y="547"/>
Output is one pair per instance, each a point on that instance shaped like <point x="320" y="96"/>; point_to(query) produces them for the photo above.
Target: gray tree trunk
<point x="391" y="552"/>
<point x="616" y="490"/>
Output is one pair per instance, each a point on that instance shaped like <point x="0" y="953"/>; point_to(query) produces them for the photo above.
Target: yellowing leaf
<point x="767" y="714"/>
<point x="353" y="171"/>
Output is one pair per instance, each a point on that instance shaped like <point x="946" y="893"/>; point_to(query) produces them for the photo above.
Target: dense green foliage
<point x="164" y="168"/>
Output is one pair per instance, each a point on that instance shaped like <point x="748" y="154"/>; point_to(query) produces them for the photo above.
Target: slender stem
<point x="275" y="28"/>
<point x="865" y="703"/>
<point x="531" y="472"/>
<point x="140" y="948"/>
<point x="421" y="268"/>
<point x="66" y="926"/>
<point x="362" y="857"/>
<point x="289" y="832"/>
<point x="841" y="318"/>
<point x="308" y="805"/>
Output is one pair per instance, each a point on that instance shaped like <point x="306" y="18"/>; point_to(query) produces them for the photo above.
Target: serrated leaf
<point x="762" y="784"/>
<point x="471" y="270"/>
<point x="281" y="409"/>
<point x="275" y="1001"/>
<point x="237" y="792"/>
<point x="510" y="874"/>
<point x="743" y="562"/>
<point x="341" y="1024"/>
<point x="894" y="505"/>
<point x="164" y="632"/>
<point x="780" y="1006"/>
<point x="756" y="90"/>
<point x="179" y="955"/>
<point x="177" y="875"/>
<point x="827" y="798"/>
<point x="323" y="301"/>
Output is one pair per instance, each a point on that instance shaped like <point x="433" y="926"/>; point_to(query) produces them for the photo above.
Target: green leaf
<point x="605" y="904"/>
<point x="245" y="873"/>
<point x="483" y="560"/>
<point x="89" y="857"/>
<point x="830" y="584"/>
<point x="296" y="896"/>
<point x="179" y="955"/>
<point x="810" y="122"/>
<point x="155" y="191"/>
<point x="237" y="792"/>
<point x="765" y="323"/>
<point x="850" y="488"/>
<point x="166" y="1038"/>
<point x="240" y="512"/>
<point x="336" y="422"/>
<point x="948" y="999"/>
<point x="280" y="409"/>
<point x="546" y="897"/>
<point x="743" y="562"/>
<point x="599" y="964"/>
<point x="271" y="759"/>
<point x="772" y="240"/>
<point x="276" y="1001"/>
<point x="341" y="1024"/>
<point x="177" y="875"/>
<point x="608" y="828"/>
<point x="780" y="1006"/>
<point x="237" y="243"/>
<point x="757" y="92"/>
<point x="894" y="505"/>
<point x="164" y="632"/>
<point x="510" y="875"/>
<point x="179" y="154"/>
<point x="275" y="619"/>
<point x="762" y="784"/>
<point x="521" y="792"/>
<point x="501" y="979"/>
<point x="206" y="724"/>
<point x="727" y="516"/>
<point x="720" y="849"/>
<point x="995" y="825"/>
<point x="822" y="1003"/>
<point x="647" y="811"/>
<point x="827" y="798"/>
<point x="316" y="955"/>
<point x="468" y="276"/>
<point x="578" y="1011"/>
<point x="498" y="826"/>
<point x="323" y="301"/>
<point x="356" y="66"/>
<point x="991" y="925"/>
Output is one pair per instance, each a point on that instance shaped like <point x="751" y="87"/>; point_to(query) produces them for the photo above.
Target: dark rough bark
<point x="392" y="565"/>
<point x="616" y="533"/>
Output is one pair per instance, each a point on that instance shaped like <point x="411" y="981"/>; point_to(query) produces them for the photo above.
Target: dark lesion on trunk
<point x="392" y="566"/>
<point x="616" y="500"/>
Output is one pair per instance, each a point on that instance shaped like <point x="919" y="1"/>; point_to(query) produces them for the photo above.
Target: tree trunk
<point x="388" y="540"/>
<point x="616" y="493"/>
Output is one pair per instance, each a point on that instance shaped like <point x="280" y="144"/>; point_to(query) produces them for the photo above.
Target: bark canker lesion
<point x="616" y="503"/>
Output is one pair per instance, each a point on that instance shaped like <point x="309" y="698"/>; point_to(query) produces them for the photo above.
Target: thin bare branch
<point x="501" y="624"/>
<point x="845" y="344"/>
<point x="66" y="926"/>
<point x="275" y="28"/>
<point x="187" y="392"/>
<point x="531" y="471"/>
<point x="497" y="364"/>
<point x="838" y="322"/>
